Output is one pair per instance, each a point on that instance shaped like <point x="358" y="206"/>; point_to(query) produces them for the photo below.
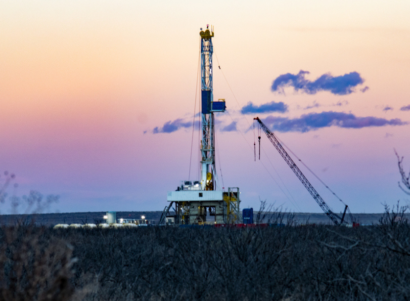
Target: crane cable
<point x="315" y="175"/>
<point x="199" y="153"/>
<point x="193" y="120"/>
<point x="219" y="162"/>
<point x="254" y="142"/>
<point x="229" y="86"/>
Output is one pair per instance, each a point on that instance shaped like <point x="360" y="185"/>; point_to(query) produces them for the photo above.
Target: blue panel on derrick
<point x="218" y="106"/>
<point x="247" y="215"/>
<point x="206" y="102"/>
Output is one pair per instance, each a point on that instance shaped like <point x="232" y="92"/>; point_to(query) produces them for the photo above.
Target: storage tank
<point x="129" y="225"/>
<point x="111" y="217"/>
<point x="61" y="226"/>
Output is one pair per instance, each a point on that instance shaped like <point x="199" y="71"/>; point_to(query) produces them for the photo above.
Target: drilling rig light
<point x="142" y="216"/>
<point x="104" y="217"/>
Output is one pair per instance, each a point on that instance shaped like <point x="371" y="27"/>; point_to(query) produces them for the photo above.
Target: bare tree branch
<point x="405" y="179"/>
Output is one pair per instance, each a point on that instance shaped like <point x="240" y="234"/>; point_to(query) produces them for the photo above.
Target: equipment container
<point x="247" y="215"/>
<point x="218" y="106"/>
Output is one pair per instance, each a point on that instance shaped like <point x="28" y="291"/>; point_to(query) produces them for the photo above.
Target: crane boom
<point x="337" y="220"/>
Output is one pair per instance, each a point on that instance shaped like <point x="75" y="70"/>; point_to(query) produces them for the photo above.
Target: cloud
<point x="388" y="135"/>
<point x="339" y="85"/>
<point x="405" y="108"/>
<point x="314" y="121"/>
<point x="364" y="89"/>
<point x="341" y="103"/>
<point x="172" y="126"/>
<point x="230" y="128"/>
<point x="387" y="108"/>
<point x="314" y="105"/>
<point x="270" y="107"/>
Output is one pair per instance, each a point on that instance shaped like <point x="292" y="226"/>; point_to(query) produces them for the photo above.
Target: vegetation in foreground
<point x="170" y="263"/>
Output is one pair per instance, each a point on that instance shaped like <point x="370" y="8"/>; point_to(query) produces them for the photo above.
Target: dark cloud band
<point x="339" y="85"/>
<point x="270" y="107"/>
<point x="230" y="127"/>
<point x="305" y="123"/>
<point x="314" y="121"/>
<point x="172" y="126"/>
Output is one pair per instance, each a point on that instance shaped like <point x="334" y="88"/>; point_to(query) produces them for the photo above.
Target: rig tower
<point x="195" y="200"/>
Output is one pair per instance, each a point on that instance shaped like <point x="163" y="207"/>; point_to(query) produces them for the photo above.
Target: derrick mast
<point x="208" y="175"/>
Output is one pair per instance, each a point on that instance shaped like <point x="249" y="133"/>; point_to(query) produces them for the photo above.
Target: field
<point x="205" y="263"/>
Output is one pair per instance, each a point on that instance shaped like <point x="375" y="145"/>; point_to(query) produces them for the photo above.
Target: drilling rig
<point x="194" y="201"/>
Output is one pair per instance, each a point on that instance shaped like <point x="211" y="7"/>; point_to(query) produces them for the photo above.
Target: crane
<point x="336" y="219"/>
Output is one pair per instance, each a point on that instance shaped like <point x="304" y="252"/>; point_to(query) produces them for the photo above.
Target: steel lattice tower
<point x="208" y="178"/>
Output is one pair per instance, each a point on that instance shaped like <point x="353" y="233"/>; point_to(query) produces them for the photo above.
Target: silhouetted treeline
<point x="171" y="263"/>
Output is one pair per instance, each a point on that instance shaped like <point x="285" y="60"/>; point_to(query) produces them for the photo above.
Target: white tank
<point x="116" y="225"/>
<point x="111" y="217"/>
<point x="61" y="226"/>
<point x="130" y="225"/>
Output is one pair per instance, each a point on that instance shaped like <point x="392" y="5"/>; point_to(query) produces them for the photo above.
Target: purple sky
<point x="98" y="99"/>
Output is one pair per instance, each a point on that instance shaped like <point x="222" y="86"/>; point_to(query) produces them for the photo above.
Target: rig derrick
<point x="193" y="200"/>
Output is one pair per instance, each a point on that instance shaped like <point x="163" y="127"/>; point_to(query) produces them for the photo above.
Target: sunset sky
<point x="86" y="88"/>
